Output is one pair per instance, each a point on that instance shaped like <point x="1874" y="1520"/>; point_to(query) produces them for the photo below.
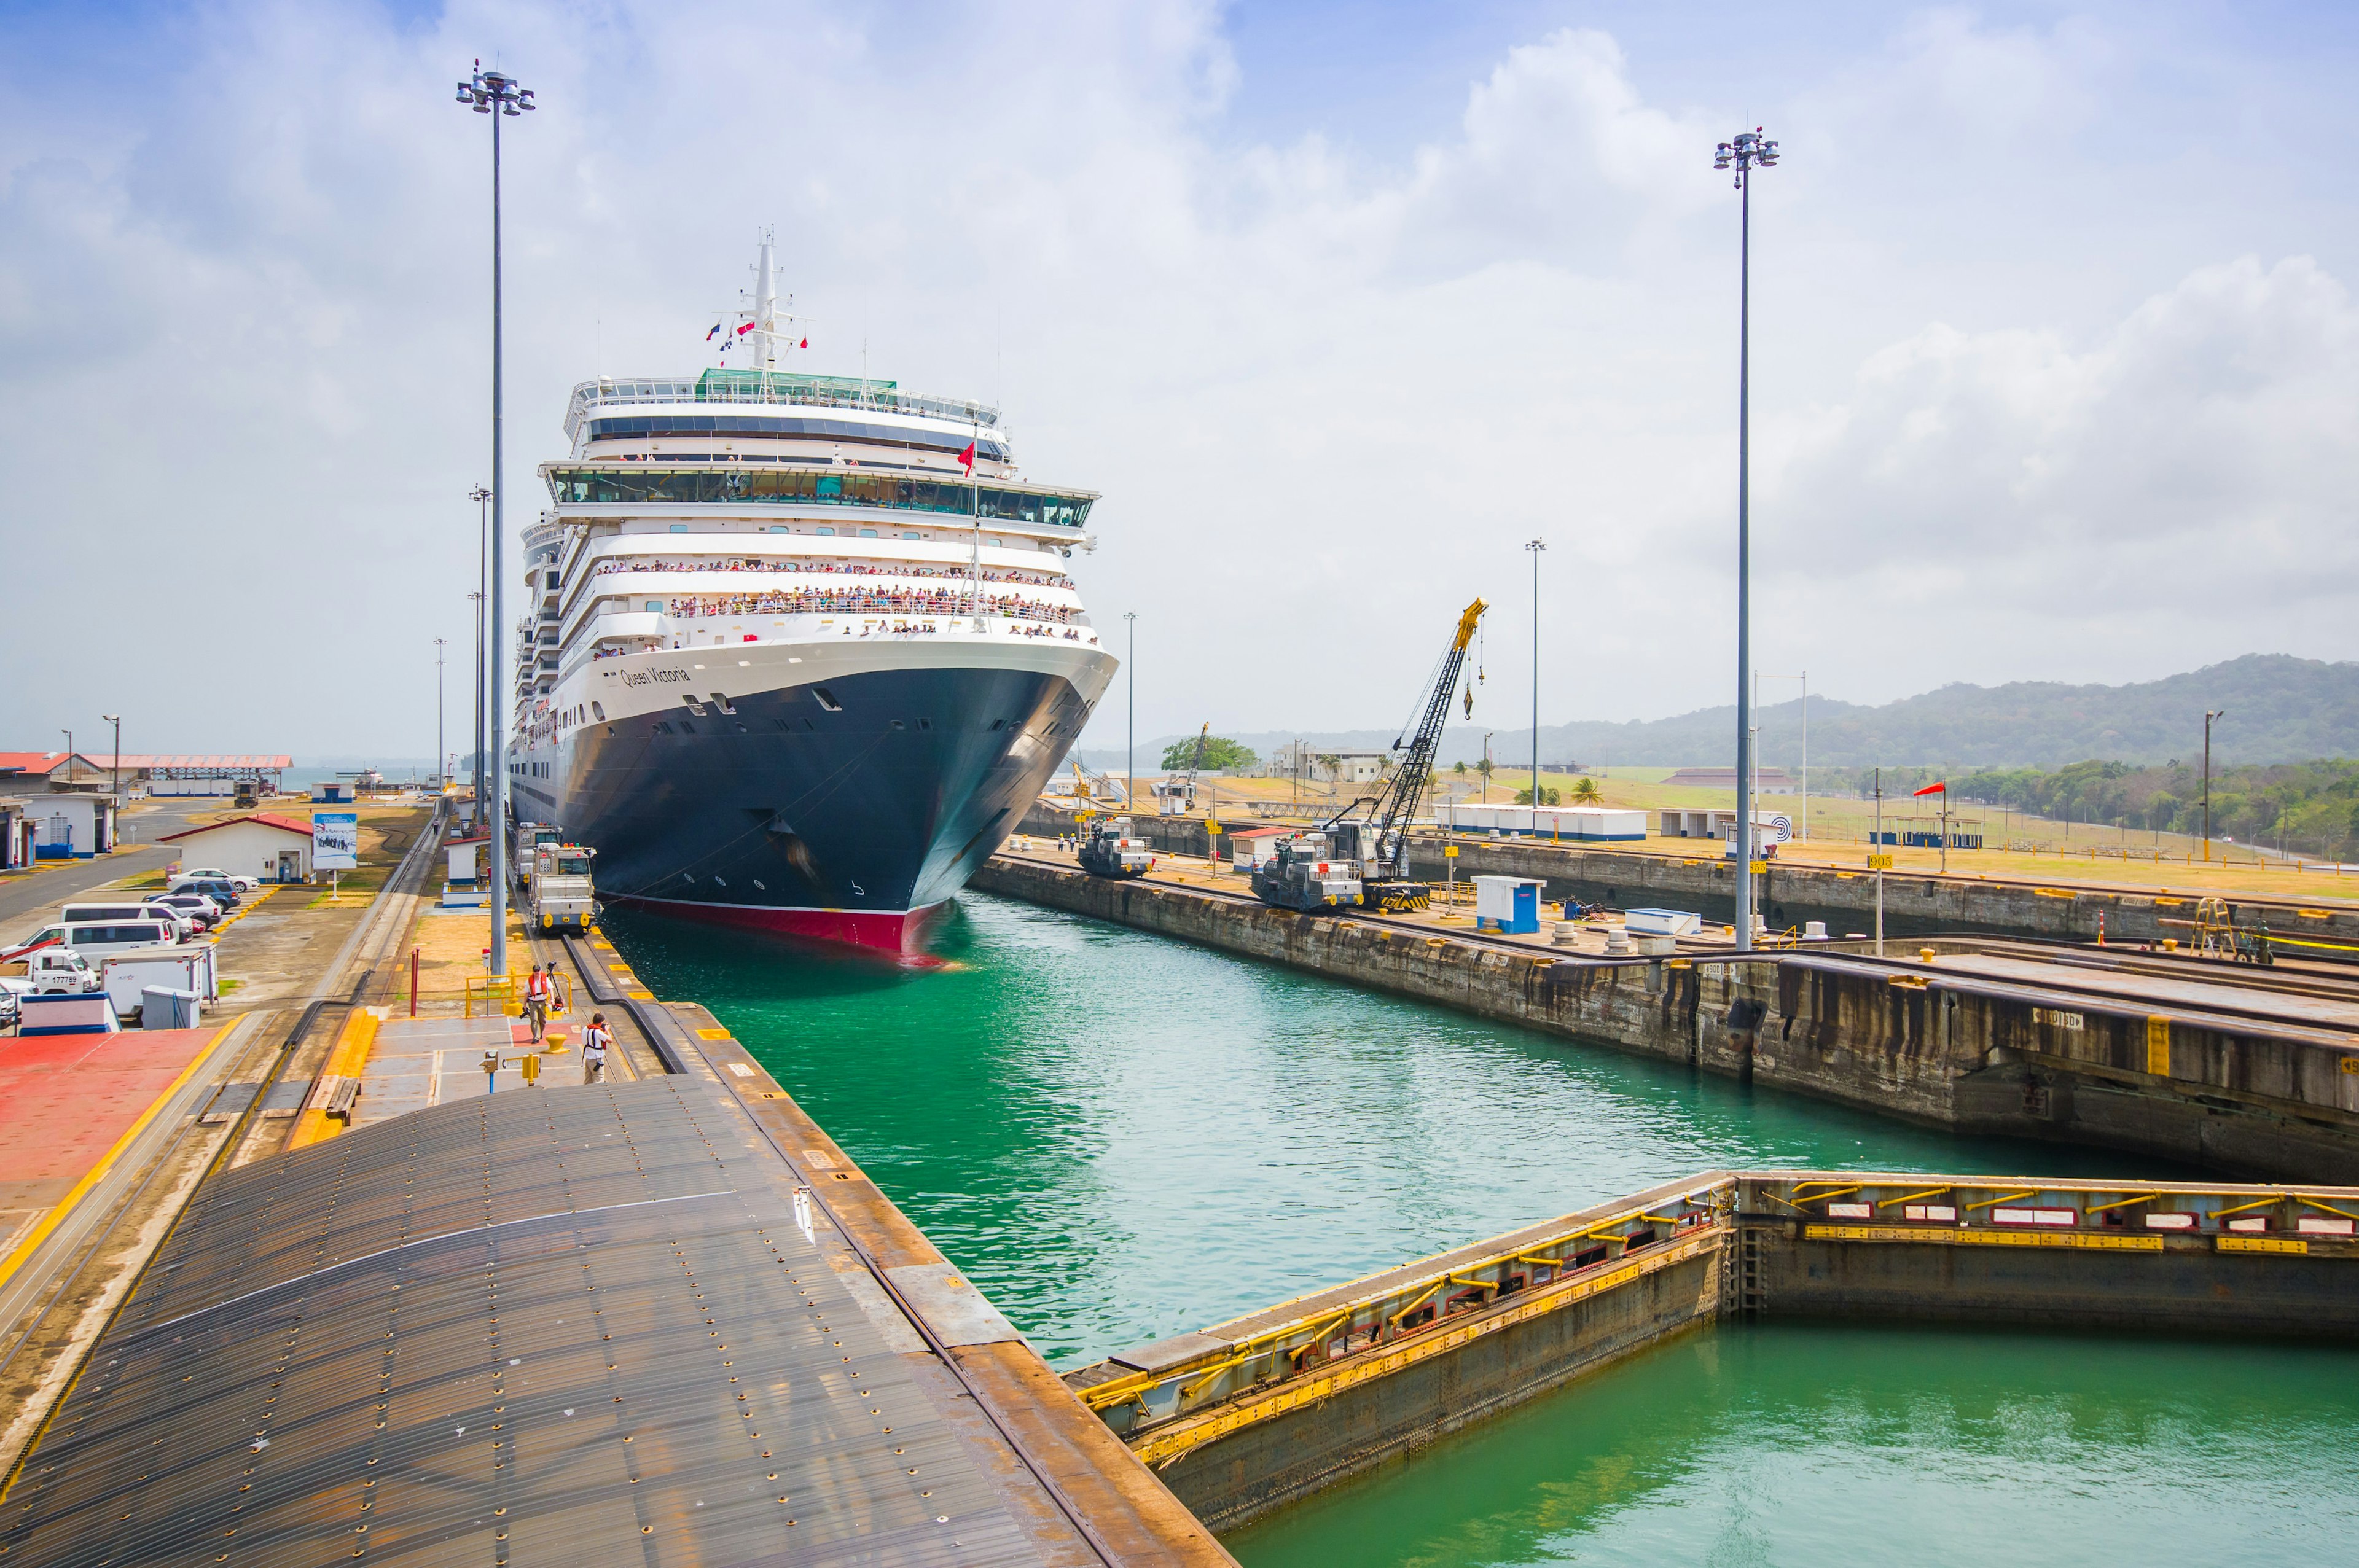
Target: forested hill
<point x="2280" y="710"/>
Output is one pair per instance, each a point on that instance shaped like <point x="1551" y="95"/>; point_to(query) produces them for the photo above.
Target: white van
<point x="95" y="940"/>
<point x="95" y="913"/>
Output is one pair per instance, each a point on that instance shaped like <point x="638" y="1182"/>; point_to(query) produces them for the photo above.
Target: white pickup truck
<point x="51" y="971"/>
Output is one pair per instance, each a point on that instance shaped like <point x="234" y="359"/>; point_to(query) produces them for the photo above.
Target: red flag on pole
<point x="1933" y="789"/>
<point x="746" y="328"/>
<point x="967" y="456"/>
<point x="804" y="344"/>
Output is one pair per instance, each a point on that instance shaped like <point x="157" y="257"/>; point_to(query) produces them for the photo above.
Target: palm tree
<point x="1585" y="791"/>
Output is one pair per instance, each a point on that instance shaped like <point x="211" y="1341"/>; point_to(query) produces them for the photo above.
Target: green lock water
<point x="1119" y="1138"/>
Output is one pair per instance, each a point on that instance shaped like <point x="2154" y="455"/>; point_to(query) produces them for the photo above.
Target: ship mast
<point x="772" y="333"/>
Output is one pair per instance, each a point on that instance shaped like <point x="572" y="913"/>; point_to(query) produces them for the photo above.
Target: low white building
<point x="272" y="848"/>
<point x="71" y="827"/>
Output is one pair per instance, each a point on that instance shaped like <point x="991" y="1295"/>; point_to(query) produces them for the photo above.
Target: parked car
<point x="145" y="909"/>
<point x="199" y="909"/>
<point x="243" y="885"/>
<point x="217" y="889"/>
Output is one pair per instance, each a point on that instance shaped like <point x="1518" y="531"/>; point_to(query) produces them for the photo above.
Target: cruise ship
<point x="802" y="648"/>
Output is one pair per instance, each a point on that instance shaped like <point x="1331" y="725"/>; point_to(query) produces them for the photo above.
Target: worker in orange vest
<point x="538" y="991"/>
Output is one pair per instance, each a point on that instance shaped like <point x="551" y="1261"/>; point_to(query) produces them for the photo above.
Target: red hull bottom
<point x="899" y="934"/>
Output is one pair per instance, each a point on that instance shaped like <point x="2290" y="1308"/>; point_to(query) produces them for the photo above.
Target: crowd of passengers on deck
<point x="934" y="602"/>
<point x="848" y="568"/>
<point x="868" y="628"/>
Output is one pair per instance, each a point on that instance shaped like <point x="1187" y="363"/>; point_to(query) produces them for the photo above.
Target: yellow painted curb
<point x="345" y="1059"/>
<point x="56" y="1216"/>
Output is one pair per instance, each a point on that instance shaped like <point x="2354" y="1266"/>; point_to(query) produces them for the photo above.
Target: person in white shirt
<point x="595" y="1041"/>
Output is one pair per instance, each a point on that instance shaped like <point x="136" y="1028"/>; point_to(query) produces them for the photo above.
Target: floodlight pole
<point x="482" y="498"/>
<point x="1746" y="151"/>
<point x="496" y="93"/>
<point x="1130" y="737"/>
<point x="1535" y="546"/>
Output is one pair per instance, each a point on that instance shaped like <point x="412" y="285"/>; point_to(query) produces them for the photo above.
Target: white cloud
<point x="242" y="318"/>
<point x="2199" y="456"/>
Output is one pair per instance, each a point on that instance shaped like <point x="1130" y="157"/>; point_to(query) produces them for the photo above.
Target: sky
<point x="2055" y="363"/>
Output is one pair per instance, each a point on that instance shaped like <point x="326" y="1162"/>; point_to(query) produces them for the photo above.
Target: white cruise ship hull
<point x="841" y="788"/>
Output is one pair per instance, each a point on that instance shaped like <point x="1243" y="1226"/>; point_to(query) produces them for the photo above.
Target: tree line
<point x="2311" y="807"/>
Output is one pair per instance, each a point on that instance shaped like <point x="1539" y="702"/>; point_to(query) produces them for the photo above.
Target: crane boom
<point x="1365" y="862"/>
<point x="1398" y="808"/>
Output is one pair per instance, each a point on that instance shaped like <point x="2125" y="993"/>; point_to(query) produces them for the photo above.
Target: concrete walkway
<point x="418" y="1062"/>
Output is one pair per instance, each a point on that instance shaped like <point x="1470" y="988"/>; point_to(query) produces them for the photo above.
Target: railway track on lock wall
<point x="1395" y="923"/>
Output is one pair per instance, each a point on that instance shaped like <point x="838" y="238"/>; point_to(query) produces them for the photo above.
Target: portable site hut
<point x="1508" y="905"/>
<point x="1563" y="824"/>
<point x="1254" y="847"/>
<point x="262" y="845"/>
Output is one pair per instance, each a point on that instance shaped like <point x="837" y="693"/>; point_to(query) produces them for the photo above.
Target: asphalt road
<point x="26" y="901"/>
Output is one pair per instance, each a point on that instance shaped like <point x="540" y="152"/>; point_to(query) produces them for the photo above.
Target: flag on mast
<point x="967" y="456"/>
<point x="1933" y="789"/>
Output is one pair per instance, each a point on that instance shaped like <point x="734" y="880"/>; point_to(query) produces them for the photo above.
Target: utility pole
<point x="442" y="781"/>
<point x="1876" y="857"/>
<point x="1746" y="151"/>
<point x="1535" y="546"/>
<point x="1130" y="743"/>
<point x="496" y="93"/>
<point x="2208" y="720"/>
<point x="116" y="719"/>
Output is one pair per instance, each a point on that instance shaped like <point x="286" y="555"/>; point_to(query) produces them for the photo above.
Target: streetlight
<point x="496" y="93"/>
<point x="116" y="719"/>
<point x="69" y="754"/>
<point x="482" y="498"/>
<point x="2208" y="718"/>
<point x="440" y="783"/>
<point x="1130" y="743"/>
<point x="1749" y="151"/>
<point x="1535" y="546"/>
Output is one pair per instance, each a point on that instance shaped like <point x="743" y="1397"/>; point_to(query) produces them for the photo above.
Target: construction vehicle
<point x="525" y="839"/>
<point x="563" y="895"/>
<point x="1178" y="796"/>
<point x="1108" y="851"/>
<point x="1364" y="860"/>
<point x="1309" y="873"/>
<point x="1091" y="785"/>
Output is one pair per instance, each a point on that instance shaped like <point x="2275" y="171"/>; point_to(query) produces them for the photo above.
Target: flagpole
<point x="974" y="511"/>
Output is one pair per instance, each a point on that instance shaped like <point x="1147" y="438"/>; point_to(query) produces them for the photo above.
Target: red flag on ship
<point x="746" y="328"/>
<point x="1933" y="789"/>
<point x="804" y="344"/>
<point x="967" y="456"/>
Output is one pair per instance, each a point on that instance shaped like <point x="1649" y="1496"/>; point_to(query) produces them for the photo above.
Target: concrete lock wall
<point x="2191" y="1291"/>
<point x="1793" y="895"/>
<point x="1263" y="1465"/>
<point x="2240" y="1097"/>
<point x="1770" y="1248"/>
